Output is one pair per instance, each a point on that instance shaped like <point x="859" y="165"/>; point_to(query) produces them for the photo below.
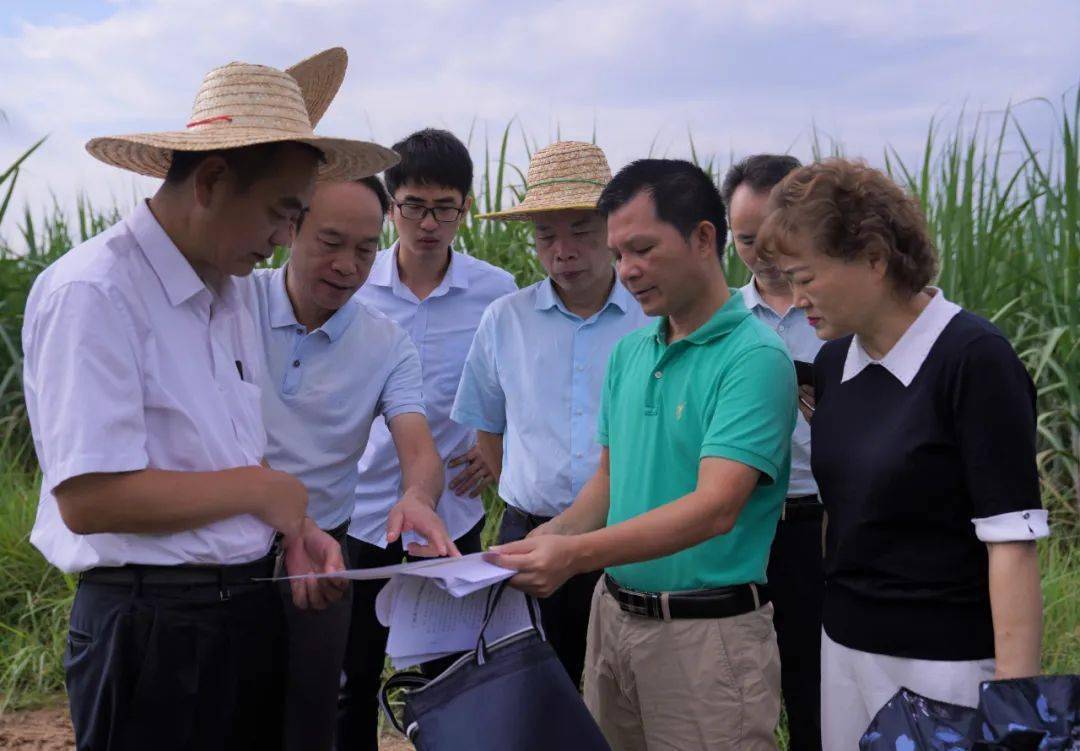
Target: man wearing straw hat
<point x="531" y="384"/>
<point x="140" y="373"/>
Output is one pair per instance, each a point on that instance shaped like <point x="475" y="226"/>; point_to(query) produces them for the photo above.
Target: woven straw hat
<point x="240" y="104"/>
<point x="565" y="175"/>
<point x="319" y="77"/>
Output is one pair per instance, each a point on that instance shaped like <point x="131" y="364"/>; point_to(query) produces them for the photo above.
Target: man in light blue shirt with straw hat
<point x="532" y="381"/>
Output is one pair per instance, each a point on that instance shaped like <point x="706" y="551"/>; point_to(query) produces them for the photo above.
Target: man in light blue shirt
<point x="796" y="576"/>
<point x="332" y="367"/>
<point x="437" y="296"/>
<point x="532" y="382"/>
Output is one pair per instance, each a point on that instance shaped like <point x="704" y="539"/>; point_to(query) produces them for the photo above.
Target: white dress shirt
<point x="132" y="362"/>
<point x="442" y="327"/>
<point x="534" y="374"/>
<point x="322" y="390"/>
<point x="802" y="343"/>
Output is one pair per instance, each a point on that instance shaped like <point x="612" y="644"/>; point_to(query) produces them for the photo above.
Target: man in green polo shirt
<point x="696" y="423"/>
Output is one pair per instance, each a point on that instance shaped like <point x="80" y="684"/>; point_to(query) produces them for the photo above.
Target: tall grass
<point x="1009" y="239"/>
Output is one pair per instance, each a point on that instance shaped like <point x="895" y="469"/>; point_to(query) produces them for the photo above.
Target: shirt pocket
<point x="245" y="411"/>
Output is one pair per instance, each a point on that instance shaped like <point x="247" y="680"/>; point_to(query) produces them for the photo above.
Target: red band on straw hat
<point x="207" y="121"/>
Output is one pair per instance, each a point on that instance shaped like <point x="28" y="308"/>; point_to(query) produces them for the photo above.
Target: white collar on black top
<point x="911" y="350"/>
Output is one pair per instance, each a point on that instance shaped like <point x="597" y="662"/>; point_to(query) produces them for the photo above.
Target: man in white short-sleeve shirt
<point x="332" y="366"/>
<point x="532" y="381"/>
<point x="437" y="296"/>
<point x="140" y="373"/>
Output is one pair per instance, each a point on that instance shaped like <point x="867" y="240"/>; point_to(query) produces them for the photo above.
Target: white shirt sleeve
<point x="1013" y="526"/>
<point x="83" y="385"/>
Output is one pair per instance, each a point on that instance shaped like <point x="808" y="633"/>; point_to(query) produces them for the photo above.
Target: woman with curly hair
<point x="924" y="452"/>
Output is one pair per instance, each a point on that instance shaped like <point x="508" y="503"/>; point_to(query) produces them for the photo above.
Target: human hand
<point x="543" y="562"/>
<point x="312" y="551"/>
<point x="807" y="403"/>
<point x="412" y="514"/>
<point x="475" y="476"/>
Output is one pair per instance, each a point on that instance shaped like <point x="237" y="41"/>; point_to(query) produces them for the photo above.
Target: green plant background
<point x="1009" y="238"/>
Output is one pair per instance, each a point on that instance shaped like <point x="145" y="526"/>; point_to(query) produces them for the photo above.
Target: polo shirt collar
<point x="173" y="270"/>
<point x="547" y="298"/>
<point x="384" y="273"/>
<point x="910" y="352"/>
<point x="282" y="314"/>
<point x="722" y="323"/>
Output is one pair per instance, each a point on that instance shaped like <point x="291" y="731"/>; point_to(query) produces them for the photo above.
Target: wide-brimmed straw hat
<point x="566" y="175"/>
<point x="241" y="104"/>
<point x="319" y="78"/>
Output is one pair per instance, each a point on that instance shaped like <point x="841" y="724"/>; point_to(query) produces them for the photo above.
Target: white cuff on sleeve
<point x="1015" y="526"/>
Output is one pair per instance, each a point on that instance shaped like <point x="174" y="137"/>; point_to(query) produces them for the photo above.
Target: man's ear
<point x="703" y="239"/>
<point x="209" y="180"/>
<point x="467" y="204"/>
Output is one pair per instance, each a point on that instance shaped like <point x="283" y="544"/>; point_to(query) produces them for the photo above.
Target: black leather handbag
<point x="510" y="694"/>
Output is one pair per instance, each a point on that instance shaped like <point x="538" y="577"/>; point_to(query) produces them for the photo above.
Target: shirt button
<point x="580" y="368"/>
<point x="296" y="363"/>
<point x="659" y="374"/>
<point x="781" y="328"/>
<point x="580" y="454"/>
<point x="579" y="411"/>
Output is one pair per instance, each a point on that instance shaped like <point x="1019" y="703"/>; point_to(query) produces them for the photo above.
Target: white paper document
<point x="458" y="576"/>
<point x="435" y="607"/>
<point x="427" y="622"/>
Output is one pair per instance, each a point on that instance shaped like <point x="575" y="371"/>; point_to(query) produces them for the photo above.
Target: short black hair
<point x="683" y="193"/>
<point x="250" y="163"/>
<point x="431" y="157"/>
<point x="761" y="172"/>
<point x="376" y="186"/>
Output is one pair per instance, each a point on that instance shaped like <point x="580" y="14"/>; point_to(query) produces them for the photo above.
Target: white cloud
<point x="742" y="76"/>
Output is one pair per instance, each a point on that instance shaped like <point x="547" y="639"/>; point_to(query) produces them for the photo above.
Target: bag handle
<point x="495" y="593"/>
<point x="396" y="681"/>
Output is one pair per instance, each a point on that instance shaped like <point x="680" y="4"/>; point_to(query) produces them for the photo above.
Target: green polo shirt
<point x="727" y="390"/>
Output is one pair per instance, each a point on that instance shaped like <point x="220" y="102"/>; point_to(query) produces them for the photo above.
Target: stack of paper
<point x="426" y="622"/>
<point x="458" y="576"/>
<point x="436" y="607"/>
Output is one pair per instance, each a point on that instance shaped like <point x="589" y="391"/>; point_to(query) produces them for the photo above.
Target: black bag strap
<point x="399" y="680"/>
<point x="495" y="593"/>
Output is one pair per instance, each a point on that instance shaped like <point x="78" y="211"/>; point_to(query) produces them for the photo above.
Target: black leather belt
<point x="722" y="602"/>
<point x="802" y="508"/>
<point x="339" y="532"/>
<point x="532" y="521"/>
<point x="138" y="575"/>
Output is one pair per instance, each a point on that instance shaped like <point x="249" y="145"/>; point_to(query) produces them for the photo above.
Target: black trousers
<point x="176" y="667"/>
<point x="797" y="586"/>
<point x="365" y="652"/>
<point x="316" y="644"/>
<point x="565" y="614"/>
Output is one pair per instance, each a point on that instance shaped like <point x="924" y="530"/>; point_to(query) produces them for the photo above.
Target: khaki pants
<point x="684" y="684"/>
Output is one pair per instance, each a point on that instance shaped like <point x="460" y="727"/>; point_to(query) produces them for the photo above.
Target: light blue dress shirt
<point x="534" y="374"/>
<point x="441" y="327"/>
<point x="321" y="391"/>
<point x="802" y="344"/>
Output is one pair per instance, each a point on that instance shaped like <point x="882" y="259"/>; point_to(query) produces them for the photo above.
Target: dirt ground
<point x="50" y="730"/>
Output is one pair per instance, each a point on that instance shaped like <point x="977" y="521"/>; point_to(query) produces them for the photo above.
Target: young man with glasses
<point x="438" y="296"/>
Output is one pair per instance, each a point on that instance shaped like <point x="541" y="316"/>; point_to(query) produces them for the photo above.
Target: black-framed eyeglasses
<point x="418" y="211"/>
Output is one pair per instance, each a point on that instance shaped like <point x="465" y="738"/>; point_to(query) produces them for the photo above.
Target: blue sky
<point x="742" y="77"/>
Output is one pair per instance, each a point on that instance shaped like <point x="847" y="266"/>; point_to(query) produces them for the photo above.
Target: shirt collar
<point x="282" y="314"/>
<point x="751" y="297"/>
<point x="722" y="323"/>
<point x="384" y="272"/>
<point x="910" y="352"/>
<point x="547" y="298"/>
<point x="173" y="270"/>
